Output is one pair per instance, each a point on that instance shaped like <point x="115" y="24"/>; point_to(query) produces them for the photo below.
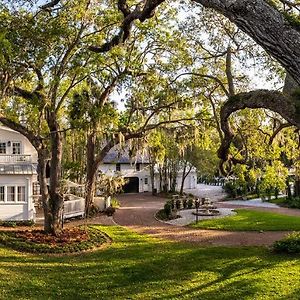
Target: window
<point x="118" y="167"/>
<point x="16" y="148"/>
<point x="146" y="180"/>
<point x="2" y="148"/>
<point x="2" y="194"/>
<point x="21" y="194"/>
<point x="11" y="191"/>
<point x="36" y="188"/>
<point x="138" y="167"/>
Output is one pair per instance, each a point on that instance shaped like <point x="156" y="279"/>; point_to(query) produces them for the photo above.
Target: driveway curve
<point x="137" y="213"/>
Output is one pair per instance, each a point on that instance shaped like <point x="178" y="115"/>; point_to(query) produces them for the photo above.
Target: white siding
<point x="18" y="210"/>
<point x="8" y="135"/>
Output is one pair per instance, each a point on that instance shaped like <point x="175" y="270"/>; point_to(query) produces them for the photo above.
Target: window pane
<point x="118" y="167"/>
<point x="1" y="193"/>
<point x="16" y="147"/>
<point x="2" y="148"/>
<point x="21" y="193"/>
<point x="11" y="193"/>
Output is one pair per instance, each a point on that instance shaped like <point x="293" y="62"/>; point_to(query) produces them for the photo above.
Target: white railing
<point x="74" y="206"/>
<point x="15" y="158"/>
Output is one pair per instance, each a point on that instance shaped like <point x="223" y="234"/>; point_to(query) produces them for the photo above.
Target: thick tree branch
<point x="276" y="101"/>
<point x="143" y="14"/>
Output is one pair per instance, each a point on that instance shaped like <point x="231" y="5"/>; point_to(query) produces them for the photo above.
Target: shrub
<point x="289" y="244"/>
<point x="110" y="211"/>
<point x="184" y="203"/>
<point x="231" y="189"/>
<point x="114" y="202"/>
<point x="178" y="204"/>
<point x="190" y="203"/>
<point x="172" y="204"/>
<point x="168" y="208"/>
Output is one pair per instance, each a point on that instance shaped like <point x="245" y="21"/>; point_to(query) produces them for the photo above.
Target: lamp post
<point x="197" y="204"/>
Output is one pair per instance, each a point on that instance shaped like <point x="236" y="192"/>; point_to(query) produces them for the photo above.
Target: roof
<point x="18" y="169"/>
<point x="115" y="156"/>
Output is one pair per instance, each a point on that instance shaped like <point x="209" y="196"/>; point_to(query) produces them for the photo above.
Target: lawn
<point x="253" y="221"/>
<point x="139" y="267"/>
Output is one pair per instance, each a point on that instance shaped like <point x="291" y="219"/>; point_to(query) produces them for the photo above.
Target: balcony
<point x="15" y="158"/>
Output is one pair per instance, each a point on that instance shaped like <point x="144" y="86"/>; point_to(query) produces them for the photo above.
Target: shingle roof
<point x="18" y="169"/>
<point x="115" y="156"/>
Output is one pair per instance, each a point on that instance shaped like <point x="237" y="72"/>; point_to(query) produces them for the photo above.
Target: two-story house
<point x="136" y="171"/>
<point x="18" y="163"/>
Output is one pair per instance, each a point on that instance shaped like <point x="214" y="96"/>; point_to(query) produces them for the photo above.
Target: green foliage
<point x="114" y="202"/>
<point x="289" y="244"/>
<point x="168" y="208"/>
<point x="16" y="223"/>
<point x="110" y="185"/>
<point x="109" y="211"/>
<point x="190" y="203"/>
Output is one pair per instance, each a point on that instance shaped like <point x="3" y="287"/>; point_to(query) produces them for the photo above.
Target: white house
<point x="18" y="163"/>
<point x="136" y="171"/>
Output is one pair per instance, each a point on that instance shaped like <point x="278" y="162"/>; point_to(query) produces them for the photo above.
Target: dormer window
<point x="16" y="148"/>
<point x="2" y="148"/>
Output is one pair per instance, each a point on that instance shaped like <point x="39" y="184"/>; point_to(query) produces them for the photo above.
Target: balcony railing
<point x="15" y="158"/>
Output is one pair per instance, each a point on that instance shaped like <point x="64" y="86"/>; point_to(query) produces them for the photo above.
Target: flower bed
<point x="71" y="240"/>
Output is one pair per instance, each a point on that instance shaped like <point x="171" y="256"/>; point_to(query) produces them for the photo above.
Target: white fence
<point x="15" y="158"/>
<point x="73" y="206"/>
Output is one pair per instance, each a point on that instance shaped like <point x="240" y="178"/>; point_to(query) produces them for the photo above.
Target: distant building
<point x="136" y="171"/>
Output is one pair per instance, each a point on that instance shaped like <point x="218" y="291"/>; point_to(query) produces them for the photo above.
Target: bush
<point x="231" y="189"/>
<point x="289" y="244"/>
<point x="178" y="204"/>
<point x="184" y="203"/>
<point x="109" y="211"/>
<point x="168" y="208"/>
<point x="190" y="203"/>
<point x="16" y="223"/>
<point x="114" y="202"/>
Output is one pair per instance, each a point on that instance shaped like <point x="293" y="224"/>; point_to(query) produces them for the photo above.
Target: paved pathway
<point x="137" y="213"/>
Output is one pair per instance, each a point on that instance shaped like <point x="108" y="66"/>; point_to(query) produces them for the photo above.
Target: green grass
<point x="139" y="267"/>
<point x="251" y="220"/>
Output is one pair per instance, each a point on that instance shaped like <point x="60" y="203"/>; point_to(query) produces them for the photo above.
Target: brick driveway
<point x="137" y="213"/>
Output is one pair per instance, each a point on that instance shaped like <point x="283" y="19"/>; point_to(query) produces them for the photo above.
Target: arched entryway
<point x="132" y="185"/>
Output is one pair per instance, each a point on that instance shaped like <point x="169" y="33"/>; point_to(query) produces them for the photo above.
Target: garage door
<point x="132" y="185"/>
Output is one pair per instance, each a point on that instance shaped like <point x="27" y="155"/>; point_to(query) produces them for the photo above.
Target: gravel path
<point x="137" y="213"/>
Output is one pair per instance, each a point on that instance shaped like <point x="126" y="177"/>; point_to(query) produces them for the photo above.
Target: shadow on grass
<point x="138" y="267"/>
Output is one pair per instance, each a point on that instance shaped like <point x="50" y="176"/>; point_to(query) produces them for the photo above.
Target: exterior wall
<point x="18" y="210"/>
<point x="7" y="134"/>
<point x="128" y="170"/>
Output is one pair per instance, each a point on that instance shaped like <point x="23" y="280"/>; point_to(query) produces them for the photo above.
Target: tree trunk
<point x="42" y="178"/>
<point x="91" y="171"/>
<point x="56" y="199"/>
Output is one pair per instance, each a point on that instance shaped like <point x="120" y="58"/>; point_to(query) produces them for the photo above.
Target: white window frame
<point x="3" y="143"/>
<point x="16" y="194"/>
<point x="12" y="147"/>
<point x="2" y="194"/>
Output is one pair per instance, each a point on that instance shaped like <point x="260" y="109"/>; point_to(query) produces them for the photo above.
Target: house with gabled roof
<point x="18" y="176"/>
<point x="136" y="169"/>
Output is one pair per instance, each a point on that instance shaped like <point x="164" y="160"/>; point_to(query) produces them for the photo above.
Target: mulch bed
<point x="68" y="236"/>
<point x="76" y="239"/>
